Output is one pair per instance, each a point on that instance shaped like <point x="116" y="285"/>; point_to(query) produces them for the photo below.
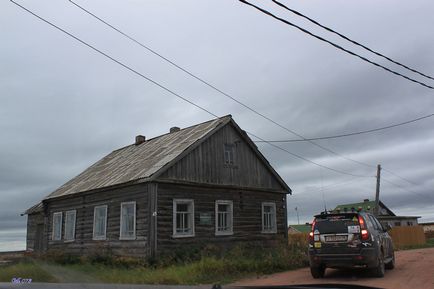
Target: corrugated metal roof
<point x="136" y="162"/>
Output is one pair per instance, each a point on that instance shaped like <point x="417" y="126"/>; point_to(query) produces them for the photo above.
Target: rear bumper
<point x="366" y="258"/>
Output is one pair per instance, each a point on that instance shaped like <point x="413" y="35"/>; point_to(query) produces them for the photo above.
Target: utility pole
<point x="377" y="192"/>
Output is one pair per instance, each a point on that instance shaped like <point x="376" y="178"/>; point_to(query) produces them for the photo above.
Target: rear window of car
<point x="336" y="223"/>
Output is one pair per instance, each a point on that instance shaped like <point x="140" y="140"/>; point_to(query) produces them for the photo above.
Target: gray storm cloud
<point x="63" y="106"/>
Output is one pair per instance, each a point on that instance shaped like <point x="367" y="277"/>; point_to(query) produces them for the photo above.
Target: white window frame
<point x="104" y="237"/>
<point x="53" y="233"/>
<point x="182" y="201"/>
<point x="274" y="229"/>
<point x="68" y="213"/>
<point x="230" y="159"/>
<point x="134" y="224"/>
<point x="231" y="217"/>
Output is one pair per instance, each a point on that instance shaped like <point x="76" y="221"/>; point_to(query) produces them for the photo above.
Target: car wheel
<point x="317" y="272"/>
<point x="391" y="264"/>
<point x="380" y="269"/>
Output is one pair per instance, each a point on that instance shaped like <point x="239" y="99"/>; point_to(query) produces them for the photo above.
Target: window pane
<point x="182" y="207"/>
<point x="183" y="218"/>
<point x="70" y="225"/>
<point x="269" y="218"/>
<point x="100" y="222"/>
<point x="128" y="220"/>
<point x="224" y="217"/>
<point x="229" y="153"/>
<point x="57" y="226"/>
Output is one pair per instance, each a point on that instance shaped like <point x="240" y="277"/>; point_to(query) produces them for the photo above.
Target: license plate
<point x="336" y="238"/>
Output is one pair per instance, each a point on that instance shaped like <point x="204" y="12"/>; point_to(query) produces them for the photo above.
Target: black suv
<point x="350" y="239"/>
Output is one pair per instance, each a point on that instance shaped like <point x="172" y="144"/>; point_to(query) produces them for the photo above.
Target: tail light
<point x="364" y="232"/>
<point x="361" y="222"/>
<point x="311" y="231"/>
<point x="311" y="236"/>
<point x="365" y="235"/>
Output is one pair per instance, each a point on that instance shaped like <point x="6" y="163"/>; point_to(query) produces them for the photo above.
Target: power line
<point x="336" y="45"/>
<point x="216" y="88"/>
<point x="398" y="176"/>
<point x="405" y="189"/>
<point x="169" y="90"/>
<point x="352" y="41"/>
<point x="315" y="190"/>
<point x="355" y="133"/>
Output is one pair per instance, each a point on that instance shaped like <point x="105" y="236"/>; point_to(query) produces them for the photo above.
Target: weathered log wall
<point x="247" y="219"/>
<point x="84" y="204"/>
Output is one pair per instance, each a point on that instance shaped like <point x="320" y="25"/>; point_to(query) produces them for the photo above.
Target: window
<point x="99" y="223"/>
<point x="409" y="223"/>
<point x="183" y="218"/>
<point x="269" y="218"/>
<point x="70" y="217"/>
<point x="223" y="218"/>
<point x="229" y="150"/>
<point x="372" y="222"/>
<point x="57" y="226"/>
<point x="128" y="221"/>
<point x="397" y="224"/>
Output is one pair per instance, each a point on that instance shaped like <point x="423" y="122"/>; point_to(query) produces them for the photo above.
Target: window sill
<point x="69" y="241"/>
<point x="230" y="166"/>
<point x="127" y="238"/>
<point x="268" y="232"/>
<point x="182" y="236"/>
<point x="99" y="239"/>
<point x="224" y="233"/>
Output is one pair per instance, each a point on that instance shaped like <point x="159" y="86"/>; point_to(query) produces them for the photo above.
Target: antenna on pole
<point x="298" y="218"/>
<point x="377" y="192"/>
<point x="322" y="191"/>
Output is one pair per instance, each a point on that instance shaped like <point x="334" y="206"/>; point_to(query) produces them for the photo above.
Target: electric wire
<point x="350" y="40"/>
<point x="207" y="83"/>
<point x="171" y="91"/>
<point x="335" y="45"/>
<point x="398" y="176"/>
<point x="406" y="189"/>
<point x="354" y="133"/>
<point x="316" y="190"/>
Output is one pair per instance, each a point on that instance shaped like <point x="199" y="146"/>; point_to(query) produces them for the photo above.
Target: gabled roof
<point x="367" y="206"/>
<point x="39" y="207"/>
<point x="146" y="161"/>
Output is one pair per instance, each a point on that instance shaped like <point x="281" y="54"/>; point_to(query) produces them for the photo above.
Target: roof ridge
<point x="182" y="129"/>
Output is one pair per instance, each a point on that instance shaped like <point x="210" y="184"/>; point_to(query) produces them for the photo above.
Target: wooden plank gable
<point x="205" y="164"/>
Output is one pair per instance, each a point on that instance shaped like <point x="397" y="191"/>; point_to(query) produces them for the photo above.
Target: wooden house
<point x="205" y="184"/>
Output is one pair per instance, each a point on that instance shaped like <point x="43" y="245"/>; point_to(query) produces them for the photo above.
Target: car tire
<point x="380" y="269"/>
<point x="317" y="271"/>
<point x="390" y="265"/>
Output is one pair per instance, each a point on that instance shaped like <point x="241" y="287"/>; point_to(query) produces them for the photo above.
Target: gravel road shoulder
<point x="414" y="269"/>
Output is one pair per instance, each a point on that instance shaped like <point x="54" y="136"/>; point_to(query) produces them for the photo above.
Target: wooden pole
<point x="377" y="192"/>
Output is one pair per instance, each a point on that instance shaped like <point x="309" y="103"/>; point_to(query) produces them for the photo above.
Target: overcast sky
<point x="63" y="106"/>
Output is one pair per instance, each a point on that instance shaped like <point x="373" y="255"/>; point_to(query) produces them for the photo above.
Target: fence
<point x="407" y="236"/>
<point x="402" y="236"/>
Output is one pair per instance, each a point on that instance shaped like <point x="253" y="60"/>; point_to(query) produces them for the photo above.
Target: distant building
<point x="205" y="184"/>
<point x="386" y="216"/>
<point x="428" y="227"/>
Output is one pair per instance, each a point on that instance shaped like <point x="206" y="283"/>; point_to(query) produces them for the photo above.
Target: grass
<point x="27" y="270"/>
<point x="187" y="267"/>
<point x="237" y="263"/>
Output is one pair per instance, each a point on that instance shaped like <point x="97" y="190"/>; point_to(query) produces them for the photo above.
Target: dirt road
<point x="414" y="269"/>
